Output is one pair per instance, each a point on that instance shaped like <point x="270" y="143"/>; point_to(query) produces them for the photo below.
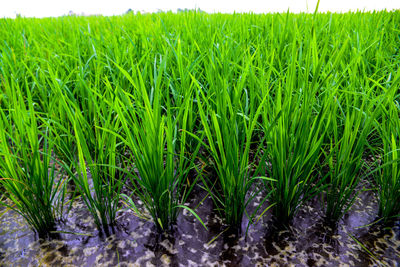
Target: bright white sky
<point x="46" y="8"/>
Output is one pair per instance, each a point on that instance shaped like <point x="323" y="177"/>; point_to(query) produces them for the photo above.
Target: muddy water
<point x="135" y="242"/>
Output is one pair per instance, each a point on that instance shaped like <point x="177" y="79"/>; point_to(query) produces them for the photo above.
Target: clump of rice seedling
<point x="229" y="128"/>
<point x="297" y="119"/>
<point x="35" y="186"/>
<point x="294" y="149"/>
<point x="347" y="145"/>
<point x="387" y="174"/>
<point x="99" y="173"/>
<point x="157" y="144"/>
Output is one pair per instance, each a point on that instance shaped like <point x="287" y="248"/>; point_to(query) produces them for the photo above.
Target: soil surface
<point x="135" y="241"/>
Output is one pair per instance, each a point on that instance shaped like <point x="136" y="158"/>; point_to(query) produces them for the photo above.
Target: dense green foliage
<point x="141" y="104"/>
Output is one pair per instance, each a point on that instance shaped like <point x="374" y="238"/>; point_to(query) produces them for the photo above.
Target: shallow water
<point x="135" y="242"/>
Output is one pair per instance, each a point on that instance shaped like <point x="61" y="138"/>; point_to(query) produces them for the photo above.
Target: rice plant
<point x="97" y="168"/>
<point x="297" y="114"/>
<point x="229" y="132"/>
<point x="34" y="184"/>
<point x="157" y="144"/>
<point x="99" y="176"/>
<point x="294" y="149"/>
<point x="387" y="174"/>
<point x="347" y="145"/>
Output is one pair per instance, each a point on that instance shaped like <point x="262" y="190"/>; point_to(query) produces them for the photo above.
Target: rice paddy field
<point x="194" y="139"/>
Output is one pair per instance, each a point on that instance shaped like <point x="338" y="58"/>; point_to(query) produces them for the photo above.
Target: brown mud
<point x="135" y="242"/>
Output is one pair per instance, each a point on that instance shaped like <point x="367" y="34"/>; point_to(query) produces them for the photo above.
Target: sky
<point x="52" y="8"/>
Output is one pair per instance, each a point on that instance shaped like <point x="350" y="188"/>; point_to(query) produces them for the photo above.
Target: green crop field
<point x="113" y="111"/>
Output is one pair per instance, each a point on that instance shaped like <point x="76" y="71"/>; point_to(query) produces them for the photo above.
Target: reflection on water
<point x="307" y="243"/>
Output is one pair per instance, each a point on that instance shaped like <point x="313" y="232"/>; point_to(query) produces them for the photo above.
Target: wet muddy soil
<point x="136" y="243"/>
